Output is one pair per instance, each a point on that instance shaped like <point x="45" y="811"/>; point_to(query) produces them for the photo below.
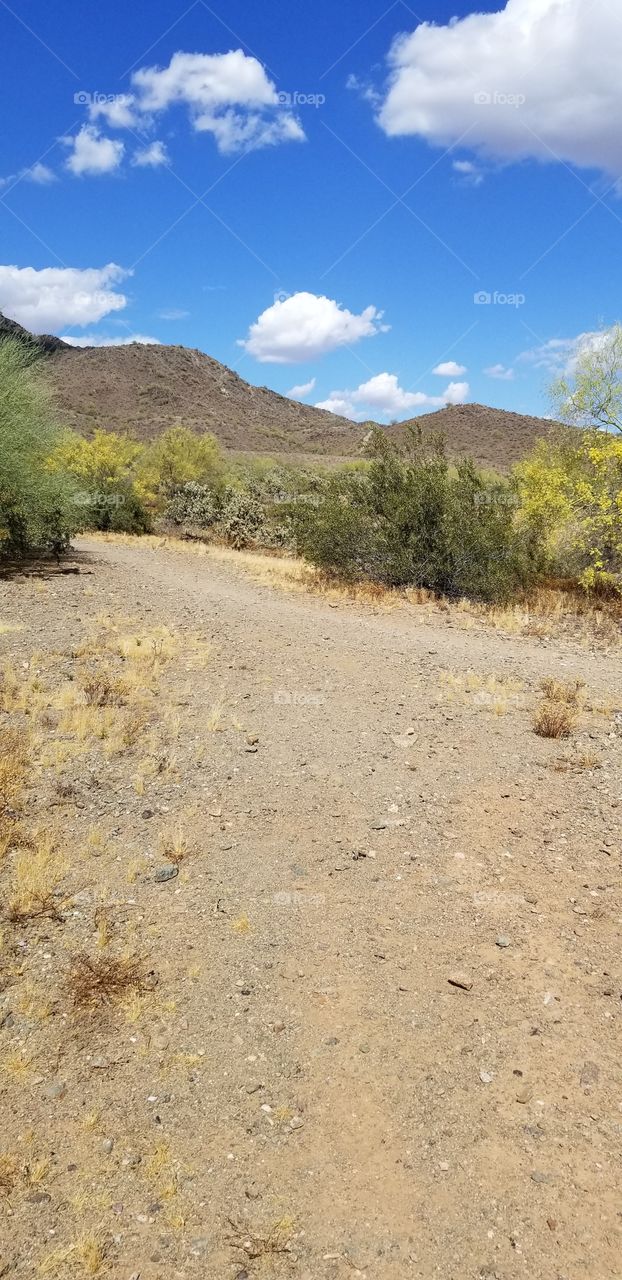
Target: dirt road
<point x="369" y="815"/>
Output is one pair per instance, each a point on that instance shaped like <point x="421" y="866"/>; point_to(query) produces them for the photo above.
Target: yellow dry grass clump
<point x="553" y="720"/>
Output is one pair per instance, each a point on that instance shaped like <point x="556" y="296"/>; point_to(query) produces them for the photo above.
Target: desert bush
<point x="553" y="720"/>
<point x="177" y="458"/>
<point x="235" y="516"/>
<point x="104" y="471"/>
<point x="571" y="492"/>
<point x="35" y="505"/>
<point x="416" y="521"/>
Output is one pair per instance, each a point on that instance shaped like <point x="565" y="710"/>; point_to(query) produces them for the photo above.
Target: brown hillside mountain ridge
<point x="143" y="390"/>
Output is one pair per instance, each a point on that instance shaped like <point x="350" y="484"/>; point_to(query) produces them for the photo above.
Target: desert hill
<point x="145" y="389"/>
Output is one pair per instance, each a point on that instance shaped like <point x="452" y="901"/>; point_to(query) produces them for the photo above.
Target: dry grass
<point x="105" y="980"/>
<point x="585" y="760"/>
<point x="9" y="1174"/>
<point x="553" y="720"/>
<point x="37" y="874"/>
<point x="570" y="692"/>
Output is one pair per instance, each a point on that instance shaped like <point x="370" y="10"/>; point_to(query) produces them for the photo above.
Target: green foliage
<point x="104" y="472"/>
<point x="35" y="505"/>
<point x="418" y="522"/>
<point x="571" y="492"/>
<point x="592" y="394"/>
<point x="180" y="457"/>
<point x="234" y="516"/>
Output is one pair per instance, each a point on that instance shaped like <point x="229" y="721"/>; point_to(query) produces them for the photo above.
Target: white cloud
<point x="151" y="157"/>
<point x="100" y="340"/>
<point x="91" y="153"/>
<point x="117" y="109"/>
<point x="306" y="326"/>
<point x="236" y="131"/>
<point x="45" y="301"/>
<point x="383" y="397"/>
<point x="449" y="369"/>
<point x="539" y="78"/>
<point x="173" y="313"/>
<point x="226" y="94"/>
<point x="299" y="393"/>
<point x="38" y="173"/>
<point x="559" y="355"/>
<point x="472" y="175"/>
<point x="499" y="371"/>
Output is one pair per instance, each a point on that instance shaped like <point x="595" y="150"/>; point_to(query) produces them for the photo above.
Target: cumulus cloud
<point x="92" y="153"/>
<point x="48" y="299"/>
<point x="101" y="340"/>
<point x="383" y="397"/>
<point x="539" y="78"/>
<point x="499" y="371"/>
<point x="299" y="393"/>
<point x="449" y="369"/>
<point x="151" y="157"/>
<point x="305" y="326"/>
<point x="226" y="94"/>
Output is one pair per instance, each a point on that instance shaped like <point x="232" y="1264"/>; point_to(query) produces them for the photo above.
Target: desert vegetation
<point x="403" y="518"/>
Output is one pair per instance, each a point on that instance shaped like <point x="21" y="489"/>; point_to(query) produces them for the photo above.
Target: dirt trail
<point x="371" y="822"/>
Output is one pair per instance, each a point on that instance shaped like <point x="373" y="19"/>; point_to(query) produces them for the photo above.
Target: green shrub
<point x="36" y="509"/>
<point x="416" y="521"/>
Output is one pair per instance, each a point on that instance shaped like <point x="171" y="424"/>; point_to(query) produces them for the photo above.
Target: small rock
<point x="107" y="1145"/>
<point x="379" y="824"/>
<point x="524" y="1094"/>
<point x="39" y="1197"/>
<point x="296" y="1123"/>
<point x="363" y="1048"/>
<point x="503" y="940"/>
<point x="539" y="1177"/>
<point x="486" y="1077"/>
<point x="167" y="872"/>
<point x="461" y="980"/>
<point x="147" y="813"/>
<point x="278" y="1026"/>
<point x="57" y="1089"/>
<point x="251" y="750"/>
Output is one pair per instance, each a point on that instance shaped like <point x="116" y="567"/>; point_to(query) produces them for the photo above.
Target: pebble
<point x="539" y="1177"/>
<point x="107" y="1145"/>
<point x="461" y="980"/>
<point x="296" y="1123"/>
<point x="486" y="1077"/>
<point x="524" y="1095"/>
<point x="379" y="824"/>
<point x="167" y="872"/>
<point x="503" y="940"/>
<point x="57" y="1089"/>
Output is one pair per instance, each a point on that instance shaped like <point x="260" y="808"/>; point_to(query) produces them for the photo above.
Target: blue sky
<point x="332" y="200"/>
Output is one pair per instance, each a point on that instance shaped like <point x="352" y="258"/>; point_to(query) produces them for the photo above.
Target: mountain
<point x="145" y="389"/>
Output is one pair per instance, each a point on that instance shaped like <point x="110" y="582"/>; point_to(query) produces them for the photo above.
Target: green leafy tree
<point x="591" y="395"/>
<point x="180" y="456"/>
<point x="104" y="470"/>
<point x="36" y="506"/>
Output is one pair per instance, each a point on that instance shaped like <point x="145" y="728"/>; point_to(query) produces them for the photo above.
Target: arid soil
<point x="282" y="826"/>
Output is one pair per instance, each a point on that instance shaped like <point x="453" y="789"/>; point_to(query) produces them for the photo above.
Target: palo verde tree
<point x="590" y="395"/>
<point x="37" y="511"/>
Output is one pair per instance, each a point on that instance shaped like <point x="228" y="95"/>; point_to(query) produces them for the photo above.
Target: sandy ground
<point x="360" y="811"/>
